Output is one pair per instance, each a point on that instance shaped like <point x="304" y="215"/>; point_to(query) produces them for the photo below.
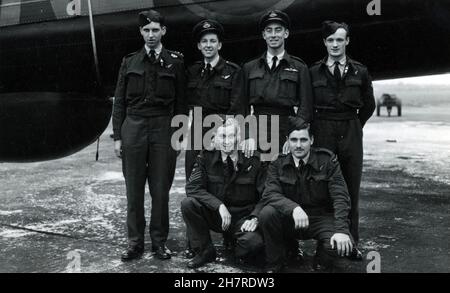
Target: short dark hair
<point x="146" y="17"/>
<point x="297" y="123"/>
<point x="329" y="27"/>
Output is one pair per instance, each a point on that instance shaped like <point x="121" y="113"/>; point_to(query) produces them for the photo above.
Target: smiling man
<point x="343" y="102"/>
<point x="213" y="86"/>
<point x="305" y="197"/>
<point x="224" y="194"/>
<point x="150" y="91"/>
<point x="213" y="83"/>
<point x="276" y="83"/>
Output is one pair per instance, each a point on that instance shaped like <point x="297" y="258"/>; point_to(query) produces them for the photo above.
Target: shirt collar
<point x="305" y="160"/>
<point x="270" y="56"/>
<point x="214" y="62"/>
<point x="312" y="160"/>
<point x="330" y="62"/>
<point x="157" y="49"/>
<point x="234" y="157"/>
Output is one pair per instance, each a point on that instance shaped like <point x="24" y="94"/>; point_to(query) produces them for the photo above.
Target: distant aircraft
<point x="58" y="69"/>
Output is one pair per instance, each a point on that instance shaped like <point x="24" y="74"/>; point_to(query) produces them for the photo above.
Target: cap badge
<point x="273" y="14"/>
<point x="206" y="25"/>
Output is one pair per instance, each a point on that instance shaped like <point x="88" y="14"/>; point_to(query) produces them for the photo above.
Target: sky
<point x="441" y="79"/>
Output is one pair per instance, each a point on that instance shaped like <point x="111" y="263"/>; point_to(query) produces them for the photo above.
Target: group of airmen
<point x="261" y="208"/>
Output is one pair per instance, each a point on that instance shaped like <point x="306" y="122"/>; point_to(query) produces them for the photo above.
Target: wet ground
<point x="69" y="214"/>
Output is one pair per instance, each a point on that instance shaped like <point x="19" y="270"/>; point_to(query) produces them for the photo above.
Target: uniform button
<point x="342" y="137"/>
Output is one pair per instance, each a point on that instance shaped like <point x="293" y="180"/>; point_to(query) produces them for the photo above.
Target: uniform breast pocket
<point x="256" y="84"/>
<point x="192" y="91"/>
<point x="288" y="86"/>
<point x="322" y="96"/>
<point x="318" y="185"/>
<point x="220" y="93"/>
<point x="352" y="95"/>
<point x="165" y="85"/>
<point x="289" y="187"/>
<point x="245" y="190"/>
<point x="135" y="83"/>
<point x="215" y="184"/>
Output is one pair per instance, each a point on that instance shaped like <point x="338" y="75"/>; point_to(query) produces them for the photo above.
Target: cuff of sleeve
<point x="290" y="208"/>
<point x="341" y="229"/>
<point x="215" y="204"/>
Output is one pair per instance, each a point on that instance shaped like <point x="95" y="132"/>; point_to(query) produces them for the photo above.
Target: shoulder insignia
<point x="291" y="69"/>
<point x="232" y="64"/>
<point x="176" y="54"/>
<point x="333" y="157"/>
<point x="326" y="151"/>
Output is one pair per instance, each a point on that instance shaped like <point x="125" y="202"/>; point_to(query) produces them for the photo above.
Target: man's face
<point x="337" y="43"/>
<point x="274" y="34"/>
<point x="226" y="139"/>
<point x="152" y="34"/>
<point x="300" y="143"/>
<point x="209" y="45"/>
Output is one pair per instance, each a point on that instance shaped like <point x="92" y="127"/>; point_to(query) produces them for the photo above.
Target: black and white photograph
<point x="242" y="137"/>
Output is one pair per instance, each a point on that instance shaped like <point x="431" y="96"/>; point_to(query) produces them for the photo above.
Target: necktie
<point x="274" y="63"/>
<point x="337" y="71"/>
<point x="208" y="69"/>
<point x="152" y="56"/>
<point x="228" y="169"/>
<point x="301" y="165"/>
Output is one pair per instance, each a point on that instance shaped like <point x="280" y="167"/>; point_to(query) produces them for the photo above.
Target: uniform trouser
<point x="344" y="138"/>
<point x="278" y="231"/>
<point x="191" y="156"/>
<point x="147" y="156"/>
<point x="200" y="220"/>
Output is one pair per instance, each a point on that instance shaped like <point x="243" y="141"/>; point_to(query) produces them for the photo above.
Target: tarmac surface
<point x="68" y="215"/>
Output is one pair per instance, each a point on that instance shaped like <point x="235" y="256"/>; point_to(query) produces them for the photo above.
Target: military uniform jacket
<point x="319" y="188"/>
<point x="355" y="92"/>
<point x="241" y="195"/>
<point x="288" y="86"/>
<point x="147" y="89"/>
<point x="217" y="92"/>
